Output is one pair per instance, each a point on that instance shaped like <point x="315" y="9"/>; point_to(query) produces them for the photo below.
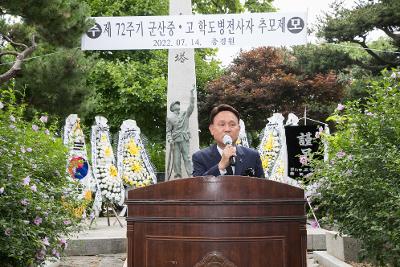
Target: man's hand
<point x="227" y="153"/>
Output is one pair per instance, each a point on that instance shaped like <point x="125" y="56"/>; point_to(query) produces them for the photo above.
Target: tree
<point x="353" y="25"/>
<point x="312" y="59"/>
<point x="359" y="190"/>
<point x="57" y="22"/>
<point x="261" y="81"/>
<point x="231" y="6"/>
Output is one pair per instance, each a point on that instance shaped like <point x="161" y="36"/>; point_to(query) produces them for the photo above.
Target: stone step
<point x="99" y="239"/>
<point x="310" y="260"/>
<point x="324" y="259"/>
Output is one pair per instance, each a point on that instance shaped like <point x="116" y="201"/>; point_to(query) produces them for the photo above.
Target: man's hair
<point x="220" y="108"/>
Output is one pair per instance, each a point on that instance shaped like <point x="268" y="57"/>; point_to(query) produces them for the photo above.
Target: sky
<point x="314" y="8"/>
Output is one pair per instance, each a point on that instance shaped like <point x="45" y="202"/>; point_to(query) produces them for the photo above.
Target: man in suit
<point x="217" y="159"/>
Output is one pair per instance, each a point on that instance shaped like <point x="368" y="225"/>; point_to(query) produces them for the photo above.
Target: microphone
<point x="227" y="140"/>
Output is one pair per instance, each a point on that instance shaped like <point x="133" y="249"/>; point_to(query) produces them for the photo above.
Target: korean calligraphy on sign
<point x="196" y="31"/>
<point x="301" y="143"/>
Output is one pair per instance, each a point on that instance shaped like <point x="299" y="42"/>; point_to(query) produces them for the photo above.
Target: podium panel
<point x="217" y="221"/>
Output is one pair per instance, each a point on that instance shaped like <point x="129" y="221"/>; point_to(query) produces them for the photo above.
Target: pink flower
<point x="34" y="188"/>
<point x="40" y="254"/>
<point x="25" y="202"/>
<point x="12" y="126"/>
<point x="314" y="224"/>
<point x="67" y="222"/>
<point x="37" y="220"/>
<point x="63" y="242"/>
<point x="7" y="232"/>
<point x="45" y="241"/>
<point x="26" y="180"/>
<point x="47" y="132"/>
<point x="340" y="154"/>
<point x="1" y="190"/>
<point x="29" y="149"/>
<point x="303" y="160"/>
<point x="43" y="119"/>
<point x="340" y="107"/>
<point x="55" y="253"/>
<point x="35" y="127"/>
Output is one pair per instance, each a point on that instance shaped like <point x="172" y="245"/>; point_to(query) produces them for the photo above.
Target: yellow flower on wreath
<point x="113" y="171"/>
<point x="265" y="161"/>
<point x="107" y="151"/>
<point x="147" y="182"/>
<point x="136" y="167"/>
<point x="269" y="143"/>
<point x="127" y="180"/>
<point x="103" y="138"/>
<point x="133" y="148"/>
<point x="88" y="195"/>
<point x="280" y="170"/>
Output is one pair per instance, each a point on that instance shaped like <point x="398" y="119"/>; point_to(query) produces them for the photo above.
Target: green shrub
<point x="38" y="204"/>
<point x="360" y="185"/>
<point x="157" y="155"/>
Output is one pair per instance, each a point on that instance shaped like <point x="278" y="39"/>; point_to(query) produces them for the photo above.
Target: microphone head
<point x="227" y="140"/>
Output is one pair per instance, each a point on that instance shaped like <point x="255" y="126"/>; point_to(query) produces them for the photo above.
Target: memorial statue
<point x="178" y="137"/>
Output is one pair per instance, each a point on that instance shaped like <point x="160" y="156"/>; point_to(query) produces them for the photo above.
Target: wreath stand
<point x="109" y="206"/>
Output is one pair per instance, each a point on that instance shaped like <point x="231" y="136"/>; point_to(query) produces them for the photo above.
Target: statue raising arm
<point x="191" y="104"/>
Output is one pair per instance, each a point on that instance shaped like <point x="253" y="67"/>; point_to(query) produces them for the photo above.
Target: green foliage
<point x="110" y="8"/>
<point x="259" y="6"/>
<point x="37" y="201"/>
<point x="130" y="90"/>
<point x="313" y="59"/>
<point x="360" y="191"/>
<point x="353" y="25"/>
<point x="54" y="79"/>
<point x="56" y="84"/>
<point x="157" y="155"/>
<point x="217" y="7"/>
<point x="57" y="22"/>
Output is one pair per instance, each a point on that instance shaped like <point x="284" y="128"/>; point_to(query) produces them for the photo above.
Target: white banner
<point x="196" y="31"/>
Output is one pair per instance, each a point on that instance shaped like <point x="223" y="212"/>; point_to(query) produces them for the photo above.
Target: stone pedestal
<point x="344" y="248"/>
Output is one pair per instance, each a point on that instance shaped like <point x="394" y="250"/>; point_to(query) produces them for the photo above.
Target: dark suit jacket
<point x="205" y="161"/>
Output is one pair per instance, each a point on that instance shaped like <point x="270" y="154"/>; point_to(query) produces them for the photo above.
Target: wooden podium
<point x="225" y="221"/>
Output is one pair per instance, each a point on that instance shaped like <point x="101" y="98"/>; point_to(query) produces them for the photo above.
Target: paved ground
<point x="114" y="260"/>
<point x="117" y="260"/>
